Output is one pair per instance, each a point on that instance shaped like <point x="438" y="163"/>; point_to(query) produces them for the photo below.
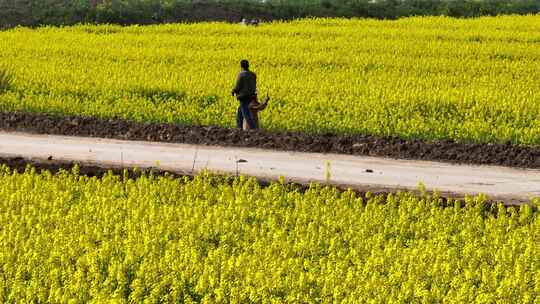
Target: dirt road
<point x="358" y="172"/>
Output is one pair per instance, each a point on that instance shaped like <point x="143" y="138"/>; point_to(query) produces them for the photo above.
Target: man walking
<point x="245" y="90"/>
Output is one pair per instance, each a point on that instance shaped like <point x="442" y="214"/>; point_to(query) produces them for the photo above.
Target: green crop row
<point x="431" y="78"/>
<point x="67" y="238"/>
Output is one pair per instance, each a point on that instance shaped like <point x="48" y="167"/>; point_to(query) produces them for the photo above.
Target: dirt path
<point x="496" y="154"/>
<point x="358" y="172"/>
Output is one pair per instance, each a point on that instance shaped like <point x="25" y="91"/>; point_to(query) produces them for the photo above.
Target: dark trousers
<point x="244" y="112"/>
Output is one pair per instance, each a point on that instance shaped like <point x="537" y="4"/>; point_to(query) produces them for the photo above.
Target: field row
<point x="71" y="238"/>
<point x="431" y="78"/>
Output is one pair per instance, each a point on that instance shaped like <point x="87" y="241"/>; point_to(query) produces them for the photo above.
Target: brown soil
<point x="446" y="151"/>
<point x="20" y="164"/>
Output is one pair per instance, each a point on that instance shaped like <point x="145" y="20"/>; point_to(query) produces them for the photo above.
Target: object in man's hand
<point x="255" y="107"/>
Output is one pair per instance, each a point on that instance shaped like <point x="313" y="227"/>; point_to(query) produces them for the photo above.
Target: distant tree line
<point x="63" y="12"/>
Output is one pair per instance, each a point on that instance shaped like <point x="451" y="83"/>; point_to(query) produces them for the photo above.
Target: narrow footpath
<point x="513" y="186"/>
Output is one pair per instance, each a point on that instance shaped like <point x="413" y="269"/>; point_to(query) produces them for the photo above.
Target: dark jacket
<point x="246" y="84"/>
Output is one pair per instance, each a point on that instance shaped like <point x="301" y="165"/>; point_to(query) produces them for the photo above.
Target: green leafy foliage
<point x="70" y="238"/>
<point x="5" y="80"/>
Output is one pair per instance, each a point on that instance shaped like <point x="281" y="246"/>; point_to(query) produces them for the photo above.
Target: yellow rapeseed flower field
<point x="68" y="238"/>
<point x="425" y="77"/>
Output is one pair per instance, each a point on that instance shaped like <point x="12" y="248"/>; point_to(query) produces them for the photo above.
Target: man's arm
<point x="238" y="85"/>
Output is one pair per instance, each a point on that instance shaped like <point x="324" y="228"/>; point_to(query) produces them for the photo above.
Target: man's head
<point x="244" y="64"/>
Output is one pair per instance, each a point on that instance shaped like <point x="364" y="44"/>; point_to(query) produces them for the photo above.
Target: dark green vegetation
<point x="5" y="81"/>
<point x="58" y="12"/>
